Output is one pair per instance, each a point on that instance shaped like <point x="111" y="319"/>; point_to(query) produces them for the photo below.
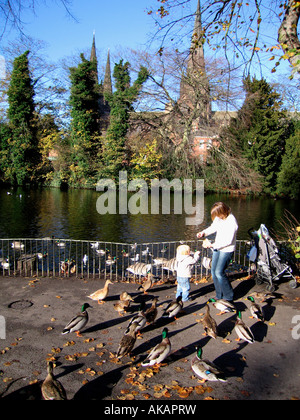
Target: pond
<point x="72" y="214"/>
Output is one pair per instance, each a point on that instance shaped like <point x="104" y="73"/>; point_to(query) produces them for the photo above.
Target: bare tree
<point x="180" y="103"/>
<point x="244" y="30"/>
<point x="11" y="12"/>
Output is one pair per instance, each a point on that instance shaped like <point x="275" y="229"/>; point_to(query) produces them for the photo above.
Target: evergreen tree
<point x="114" y="151"/>
<point x="84" y="102"/>
<point x="260" y="130"/>
<point x="289" y="175"/>
<point x="23" y="146"/>
<point x="5" y="166"/>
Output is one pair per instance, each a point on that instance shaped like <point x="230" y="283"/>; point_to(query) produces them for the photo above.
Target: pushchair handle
<point x="250" y="232"/>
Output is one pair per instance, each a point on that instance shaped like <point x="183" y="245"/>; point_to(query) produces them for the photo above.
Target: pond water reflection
<point x="72" y="214"/>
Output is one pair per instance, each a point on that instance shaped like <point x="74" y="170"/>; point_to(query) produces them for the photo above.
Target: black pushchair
<point x="270" y="266"/>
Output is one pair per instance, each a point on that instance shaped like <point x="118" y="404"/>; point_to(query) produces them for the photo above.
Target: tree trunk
<point x="288" y="36"/>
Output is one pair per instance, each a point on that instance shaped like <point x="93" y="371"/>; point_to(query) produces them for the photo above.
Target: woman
<point x="225" y="226"/>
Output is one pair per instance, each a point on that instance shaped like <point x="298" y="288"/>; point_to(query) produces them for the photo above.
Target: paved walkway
<point x="35" y="311"/>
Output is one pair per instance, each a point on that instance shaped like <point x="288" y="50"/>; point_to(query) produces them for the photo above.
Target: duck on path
<point x="159" y="352"/>
<point x="77" y="323"/>
<point x="51" y="388"/>
<point x="100" y="294"/>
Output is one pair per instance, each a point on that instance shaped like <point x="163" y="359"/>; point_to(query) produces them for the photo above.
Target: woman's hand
<point x="200" y="235"/>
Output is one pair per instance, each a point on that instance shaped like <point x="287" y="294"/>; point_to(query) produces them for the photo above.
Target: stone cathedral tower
<point x="104" y="87"/>
<point x="194" y="87"/>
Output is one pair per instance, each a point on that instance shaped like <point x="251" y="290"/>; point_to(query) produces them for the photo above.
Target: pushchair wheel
<point x="293" y="284"/>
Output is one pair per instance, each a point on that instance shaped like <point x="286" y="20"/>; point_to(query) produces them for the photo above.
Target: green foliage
<point x="23" y="153"/>
<point x="115" y="156"/>
<point x="146" y="162"/>
<point x="84" y="102"/>
<point x="288" y="183"/>
<point x="261" y="130"/>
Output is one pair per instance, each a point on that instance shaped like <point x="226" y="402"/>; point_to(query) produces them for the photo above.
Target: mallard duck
<point x="242" y="330"/>
<point x="209" y="324"/>
<point x="51" y="388"/>
<point x="173" y="308"/>
<point x="159" y="352"/>
<point x="151" y="313"/>
<point x="255" y="309"/>
<point x="263" y="296"/>
<point x="139" y="319"/>
<point x="101" y="294"/>
<point x="222" y="305"/>
<point x="122" y="305"/>
<point x="73" y="267"/>
<point x="127" y="341"/>
<point x="147" y="284"/>
<point x="111" y="260"/>
<point x="125" y="296"/>
<point x="4" y="262"/>
<point x="64" y="266"/>
<point x="205" y="369"/>
<point x="78" y="322"/>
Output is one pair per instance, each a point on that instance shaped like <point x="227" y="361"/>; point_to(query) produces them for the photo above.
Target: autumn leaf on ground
<point x="69" y="343"/>
<point x="88" y="340"/>
<point x="71" y="357"/>
<point x="178" y="369"/>
<point x="56" y="350"/>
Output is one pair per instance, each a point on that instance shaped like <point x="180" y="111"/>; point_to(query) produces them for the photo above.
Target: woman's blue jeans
<point x="219" y="263"/>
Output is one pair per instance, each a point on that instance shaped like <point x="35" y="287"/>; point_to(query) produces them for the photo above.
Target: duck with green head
<point x="77" y="323"/>
<point x="206" y="370"/>
<point x="222" y="305"/>
<point x="159" y="352"/>
<point x="256" y="310"/>
<point x="242" y="330"/>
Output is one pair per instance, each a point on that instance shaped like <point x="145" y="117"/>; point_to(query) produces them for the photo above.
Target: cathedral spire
<point x="94" y="57"/>
<point x="93" y="50"/>
<point x="194" y="83"/>
<point x="196" y="50"/>
<point x="107" y="84"/>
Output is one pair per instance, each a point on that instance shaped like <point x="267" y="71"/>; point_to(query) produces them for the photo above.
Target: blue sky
<point x="116" y="23"/>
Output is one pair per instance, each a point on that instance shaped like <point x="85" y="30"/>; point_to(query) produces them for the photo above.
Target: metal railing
<point x="48" y="257"/>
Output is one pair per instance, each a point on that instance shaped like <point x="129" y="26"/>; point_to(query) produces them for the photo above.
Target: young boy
<point x="185" y="263"/>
